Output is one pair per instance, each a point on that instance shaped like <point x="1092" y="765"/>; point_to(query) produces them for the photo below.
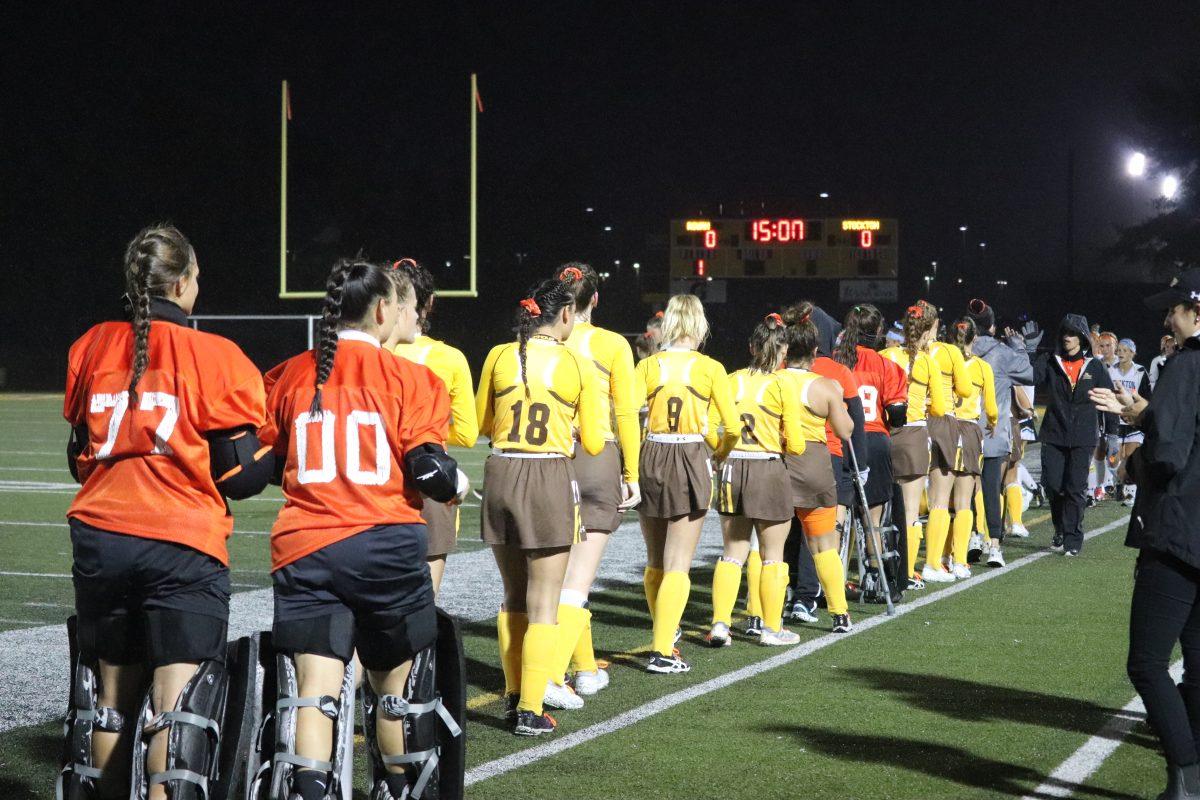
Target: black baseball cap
<point x="1184" y="288"/>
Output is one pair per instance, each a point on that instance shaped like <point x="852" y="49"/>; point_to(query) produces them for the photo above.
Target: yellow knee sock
<point x="962" y="535"/>
<point x="936" y="531"/>
<point x="981" y="517"/>
<point x="510" y="632"/>
<point x="727" y="580"/>
<point x="571" y="620"/>
<point x="1013" y="501"/>
<point x="772" y="592"/>
<point x="668" y="610"/>
<point x="753" y="576"/>
<point x="537" y="660"/>
<point x="833" y="580"/>
<point x="584" y="657"/>
<point x="924" y="507"/>
<point x="913" y="546"/>
<point x="652" y="578"/>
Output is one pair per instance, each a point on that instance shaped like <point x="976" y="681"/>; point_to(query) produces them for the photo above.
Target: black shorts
<point x="879" y="459"/>
<point x="141" y="599"/>
<point x="845" y="483"/>
<point x="371" y="591"/>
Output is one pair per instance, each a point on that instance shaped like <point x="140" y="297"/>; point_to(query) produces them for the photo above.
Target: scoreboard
<point x="783" y="247"/>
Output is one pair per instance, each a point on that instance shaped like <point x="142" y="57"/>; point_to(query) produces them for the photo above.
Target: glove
<point x="863" y="475"/>
<point x="464" y="486"/>
<point x="1032" y="333"/>
<point x="631" y="495"/>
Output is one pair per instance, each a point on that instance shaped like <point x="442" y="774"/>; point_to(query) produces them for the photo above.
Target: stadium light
<point x="824" y="195"/>
<point x="589" y="209"/>
<point x="962" y="228"/>
<point x="1169" y="187"/>
<point x="960" y="280"/>
<point x="636" y="266"/>
<point x="616" y="262"/>
<point x="1135" y="165"/>
<point x="608" y="227"/>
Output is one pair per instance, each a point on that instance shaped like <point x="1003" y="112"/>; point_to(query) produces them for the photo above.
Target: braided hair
<point x="155" y="260"/>
<point x="422" y="283"/>
<point x="352" y="289"/>
<point x="862" y="327"/>
<point x="919" y="318"/>
<point x="802" y="335"/>
<point x="767" y="344"/>
<point x="584" y="282"/>
<point x="965" y="332"/>
<point x="539" y="308"/>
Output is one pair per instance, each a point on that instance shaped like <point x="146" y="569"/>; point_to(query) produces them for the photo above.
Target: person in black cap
<point x="1009" y="360"/>
<point x="1069" y="427"/>
<point x="1164" y="527"/>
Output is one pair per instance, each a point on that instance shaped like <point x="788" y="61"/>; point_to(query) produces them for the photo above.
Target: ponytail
<point x="538" y="309"/>
<point x="767" y="344"/>
<point x="861" y="327"/>
<point x="964" y="333"/>
<point x="918" y="318"/>
<point x="801" y="337"/>
<point x="583" y="281"/>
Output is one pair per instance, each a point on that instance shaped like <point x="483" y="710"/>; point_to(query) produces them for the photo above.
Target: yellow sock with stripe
<point x="774" y="589"/>
<point x="571" y="621"/>
<point x="584" y="657"/>
<point x="668" y="610"/>
<point x="912" y="547"/>
<point x="1013" y="501"/>
<point x="537" y="660"/>
<point x="753" y="576"/>
<point x="652" y="578"/>
<point x="727" y="581"/>
<point x="962" y="535"/>
<point x="833" y="580"/>
<point x="937" y="529"/>
<point x="510" y="632"/>
<point x="981" y="517"/>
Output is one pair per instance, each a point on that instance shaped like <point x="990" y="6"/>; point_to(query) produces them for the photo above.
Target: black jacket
<point x="1166" y="514"/>
<point x="1071" y="420"/>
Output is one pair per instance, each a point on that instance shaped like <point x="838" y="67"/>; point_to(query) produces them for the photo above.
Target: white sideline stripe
<point x="34" y="469"/>
<point x="36" y="575"/>
<point x="1071" y="774"/>
<point x="4" y="522"/>
<point x="29" y="453"/>
<point x="500" y="766"/>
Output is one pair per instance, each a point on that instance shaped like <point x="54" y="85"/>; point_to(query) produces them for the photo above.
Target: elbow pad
<point x="77" y="442"/>
<point x="241" y="467"/>
<point x="433" y="471"/>
<point x="897" y="415"/>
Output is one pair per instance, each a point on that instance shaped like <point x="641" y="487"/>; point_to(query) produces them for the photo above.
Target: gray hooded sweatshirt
<point x="1011" y="366"/>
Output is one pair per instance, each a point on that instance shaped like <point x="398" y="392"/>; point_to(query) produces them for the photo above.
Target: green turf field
<point x="981" y="691"/>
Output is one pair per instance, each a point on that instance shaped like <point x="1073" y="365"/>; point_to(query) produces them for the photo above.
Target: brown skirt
<point x="599" y="479"/>
<point x="969" y="459"/>
<point x="755" y="488"/>
<point x="811" y="474"/>
<point x="910" y="452"/>
<point x="441" y="521"/>
<point x="943" y="443"/>
<point x="1018" y="444"/>
<point x="531" y="503"/>
<point x="675" y="479"/>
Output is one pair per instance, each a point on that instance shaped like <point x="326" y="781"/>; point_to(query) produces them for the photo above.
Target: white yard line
<point x="1069" y="776"/>
<point x="37" y="574"/>
<point x="500" y="766"/>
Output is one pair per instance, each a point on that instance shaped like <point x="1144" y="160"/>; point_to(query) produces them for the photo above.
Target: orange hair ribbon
<point x="530" y="305"/>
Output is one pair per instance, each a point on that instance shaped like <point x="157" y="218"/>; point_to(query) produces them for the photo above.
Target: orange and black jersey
<point x="145" y="469"/>
<point x="344" y="468"/>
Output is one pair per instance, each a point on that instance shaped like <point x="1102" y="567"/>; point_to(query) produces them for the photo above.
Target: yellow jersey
<point x="678" y="386"/>
<point x="769" y="413"/>
<point x="926" y="396"/>
<point x="449" y="364"/>
<point x="538" y="415"/>
<point x="612" y="357"/>
<point x="955" y="381"/>
<point x="982" y="399"/>
<point x="811" y="426"/>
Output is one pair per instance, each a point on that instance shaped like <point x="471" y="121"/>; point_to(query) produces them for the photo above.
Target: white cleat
<point x="931" y="574"/>
<point x="719" y="636"/>
<point x="563" y="697"/>
<point x="779" y="638"/>
<point x="1019" y="531"/>
<point x="995" y="557"/>
<point x="960" y="571"/>
<point x="589" y="683"/>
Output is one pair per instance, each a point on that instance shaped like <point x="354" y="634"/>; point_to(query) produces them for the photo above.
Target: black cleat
<point x="753" y="626"/>
<point x="667" y="665"/>
<point x="510" y="706"/>
<point x="531" y="724"/>
<point x="1056" y="544"/>
<point x="841" y="623"/>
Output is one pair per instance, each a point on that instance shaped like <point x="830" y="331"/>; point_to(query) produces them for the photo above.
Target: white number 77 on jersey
<point x="119" y="403"/>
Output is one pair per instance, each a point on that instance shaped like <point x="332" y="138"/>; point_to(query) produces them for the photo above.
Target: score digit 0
<point x="866" y="238"/>
<point x="710" y="238"/>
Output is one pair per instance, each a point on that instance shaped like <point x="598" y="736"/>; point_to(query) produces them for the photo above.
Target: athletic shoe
<point x="1056" y="544"/>
<point x="589" y="683"/>
<point x="841" y="623"/>
<point x="1110" y="493"/>
<point x="960" y="571"/>
<point x="915" y="583"/>
<point x="531" y="724"/>
<point x="1071" y="553"/>
<point x="563" y="697"/>
<point x="974" y="548"/>
<point x="995" y="557"/>
<point x="779" y="638"/>
<point x="718" y="636"/>
<point x="1019" y="531"/>
<point x="667" y="665"/>
<point x="1128" y="502"/>
<point x="753" y="626"/>
<point x="803" y="613"/>
<point x="510" y="706"/>
<point x="933" y="574"/>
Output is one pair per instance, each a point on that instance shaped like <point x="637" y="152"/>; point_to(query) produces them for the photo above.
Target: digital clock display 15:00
<point x="776" y="230"/>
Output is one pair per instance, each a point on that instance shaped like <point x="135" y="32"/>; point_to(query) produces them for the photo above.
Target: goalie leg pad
<point x="77" y="778"/>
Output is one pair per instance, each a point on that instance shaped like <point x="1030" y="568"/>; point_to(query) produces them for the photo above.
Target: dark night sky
<point x="937" y="114"/>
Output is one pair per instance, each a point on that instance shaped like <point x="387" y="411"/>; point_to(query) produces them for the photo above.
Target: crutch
<point x="872" y="533"/>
